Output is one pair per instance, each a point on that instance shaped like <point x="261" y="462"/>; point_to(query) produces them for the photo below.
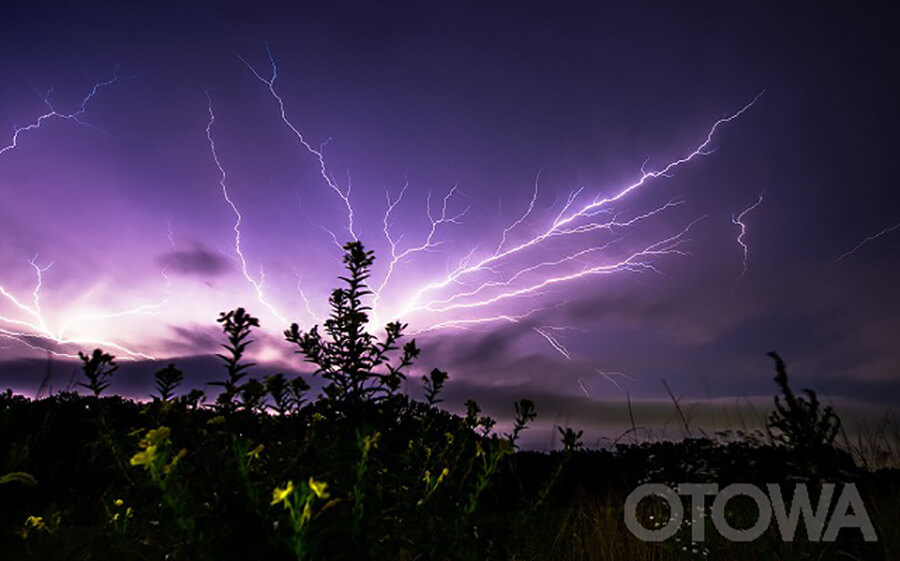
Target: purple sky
<point x="124" y="198"/>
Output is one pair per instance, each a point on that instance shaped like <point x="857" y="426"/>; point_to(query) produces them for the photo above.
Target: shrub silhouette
<point x="98" y="368"/>
<point x="167" y="380"/>
<point x="287" y="396"/>
<point x="800" y="421"/>
<point x="348" y="356"/>
<point x="237" y="326"/>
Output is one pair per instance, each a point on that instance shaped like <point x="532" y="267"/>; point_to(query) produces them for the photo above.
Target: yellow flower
<point x="155" y="437"/>
<point x="307" y="512"/>
<point x="119" y="502"/>
<point x="280" y="494"/>
<point x="371" y="441"/>
<point x="318" y="417"/>
<point x="318" y="487"/>
<point x="145" y="457"/>
<point x="178" y="457"/>
<point x="33" y="524"/>
<point x="255" y="453"/>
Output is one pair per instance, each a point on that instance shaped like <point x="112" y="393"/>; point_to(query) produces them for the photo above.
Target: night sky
<point x="546" y="275"/>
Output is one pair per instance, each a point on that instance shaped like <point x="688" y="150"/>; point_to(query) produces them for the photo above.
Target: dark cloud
<point x="195" y="339"/>
<point x="195" y="262"/>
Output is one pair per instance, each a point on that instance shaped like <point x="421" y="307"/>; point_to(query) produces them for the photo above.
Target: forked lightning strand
<point x="318" y="153"/>
<point x="54" y="114"/>
<point x="257" y="284"/>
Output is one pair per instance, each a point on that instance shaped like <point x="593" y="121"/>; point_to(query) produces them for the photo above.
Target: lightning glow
<point x="517" y="277"/>
<point x="34" y="330"/>
<point x="586" y="211"/>
<point x="31" y="327"/>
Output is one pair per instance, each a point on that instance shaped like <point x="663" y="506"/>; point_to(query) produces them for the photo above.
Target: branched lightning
<point x="525" y="215"/>
<point x="31" y="327"/>
<point x="238" y="218"/>
<point x="493" y="282"/>
<point x="54" y="114"/>
<point x="544" y="332"/>
<point x="633" y="263"/>
<point x="512" y="271"/>
<point x="428" y="244"/>
<point x="586" y="211"/>
<point x="319" y="153"/>
<point x="739" y="222"/>
<point x="35" y="328"/>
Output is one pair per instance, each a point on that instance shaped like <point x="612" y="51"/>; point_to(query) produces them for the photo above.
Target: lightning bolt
<point x="633" y="263"/>
<point x="611" y="377"/>
<point x="24" y="331"/>
<point x="238" y="218"/>
<point x="428" y="244"/>
<point x="35" y="327"/>
<point x="482" y="287"/>
<point x="558" y="227"/>
<point x="739" y="221"/>
<point x="319" y="153"/>
<point x="54" y="114"/>
<point x="525" y="215"/>
<point x="867" y="240"/>
<point x="306" y="304"/>
<point x="554" y="342"/>
<point x="525" y="280"/>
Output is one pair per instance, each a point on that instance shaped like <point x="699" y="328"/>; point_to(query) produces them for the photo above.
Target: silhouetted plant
<point x="287" y="396"/>
<point x="434" y="382"/>
<point x="193" y="398"/>
<point x="800" y="422"/>
<point x="98" y="368"/>
<point x="237" y="326"/>
<point x="167" y="380"/>
<point x="475" y="420"/>
<point x="277" y="387"/>
<point x="571" y="440"/>
<point x="349" y="355"/>
<point x="297" y="389"/>
<point x="253" y="395"/>
<point x="525" y="413"/>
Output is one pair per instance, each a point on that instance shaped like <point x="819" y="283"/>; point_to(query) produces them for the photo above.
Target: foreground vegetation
<point x="362" y="471"/>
